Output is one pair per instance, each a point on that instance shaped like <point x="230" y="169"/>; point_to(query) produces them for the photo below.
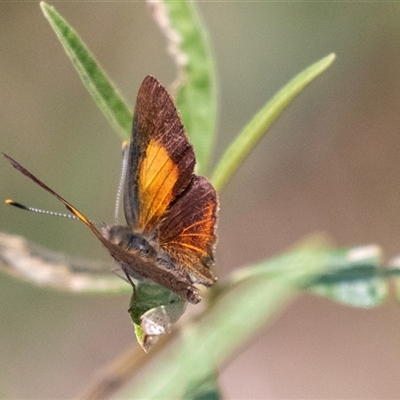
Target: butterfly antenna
<point x="38" y="210"/>
<point x="122" y="179"/>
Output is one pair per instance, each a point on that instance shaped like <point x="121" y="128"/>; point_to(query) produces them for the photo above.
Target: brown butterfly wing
<point x="188" y="232"/>
<point x="160" y="161"/>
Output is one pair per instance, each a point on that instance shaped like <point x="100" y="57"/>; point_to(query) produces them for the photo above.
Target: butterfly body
<point x="170" y="212"/>
<point x="141" y="259"/>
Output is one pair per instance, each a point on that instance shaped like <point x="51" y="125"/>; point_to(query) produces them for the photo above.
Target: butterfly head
<point x="129" y="242"/>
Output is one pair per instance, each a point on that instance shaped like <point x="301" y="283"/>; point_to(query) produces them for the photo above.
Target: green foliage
<point x="354" y="278"/>
<point x="250" y="297"/>
<point x="232" y="318"/>
<point x="236" y="153"/>
<point x="100" y="87"/>
<point x="205" y="390"/>
<point x="196" y="96"/>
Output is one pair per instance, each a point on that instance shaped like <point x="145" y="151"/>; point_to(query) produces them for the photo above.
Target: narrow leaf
<point x="354" y="278"/>
<point x="103" y="91"/>
<point x="195" y="88"/>
<point x="253" y="132"/>
<point x="204" y="390"/>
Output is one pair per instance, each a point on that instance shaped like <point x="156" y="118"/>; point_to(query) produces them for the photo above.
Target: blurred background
<point x="330" y="164"/>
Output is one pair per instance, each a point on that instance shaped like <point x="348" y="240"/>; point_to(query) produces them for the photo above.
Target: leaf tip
<point x="331" y="57"/>
<point x="45" y="8"/>
<point x="328" y="60"/>
<point x="43" y="5"/>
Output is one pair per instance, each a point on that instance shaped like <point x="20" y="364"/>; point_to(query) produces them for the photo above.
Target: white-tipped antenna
<point x="122" y="179"/>
<point x="38" y="210"/>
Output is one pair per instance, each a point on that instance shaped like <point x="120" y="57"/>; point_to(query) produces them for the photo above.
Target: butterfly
<point x="171" y="213"/>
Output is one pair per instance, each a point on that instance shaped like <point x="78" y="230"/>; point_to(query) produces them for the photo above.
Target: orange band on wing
<point x="157" y="177"/>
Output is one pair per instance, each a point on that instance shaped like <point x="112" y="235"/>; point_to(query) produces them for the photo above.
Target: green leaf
<point x="196" y="95"/>
<point x="355" y="278"/>
<point x="232" y="319"/>
<point x="205" y="390"/>
<point x="253" y="132"/>
<point x="103" y="91"/>
<point x="153" y="310"/>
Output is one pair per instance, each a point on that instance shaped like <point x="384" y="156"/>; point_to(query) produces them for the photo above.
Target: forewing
<point x="161" y="159"/>
<point x="188" y="232"/>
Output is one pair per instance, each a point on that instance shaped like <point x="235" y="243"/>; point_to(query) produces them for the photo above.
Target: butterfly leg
<point x="133" y="286"/>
